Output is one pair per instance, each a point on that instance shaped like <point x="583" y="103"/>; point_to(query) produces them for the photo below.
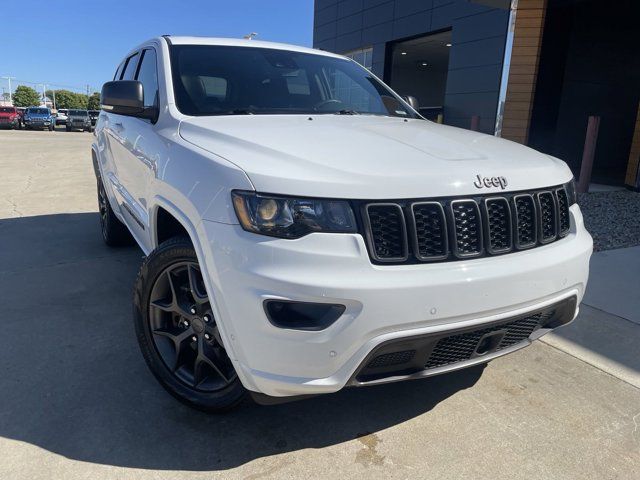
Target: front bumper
<point x="383" y="303"/>
<point x="38" y="124"/>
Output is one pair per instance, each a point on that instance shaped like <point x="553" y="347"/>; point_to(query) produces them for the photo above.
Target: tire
<point x="177" y="332"/>
<point x="68" y="128"/>
<point x="114" y="232"/>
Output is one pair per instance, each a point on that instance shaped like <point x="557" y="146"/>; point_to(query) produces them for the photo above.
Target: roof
<point x="242" y="42"/>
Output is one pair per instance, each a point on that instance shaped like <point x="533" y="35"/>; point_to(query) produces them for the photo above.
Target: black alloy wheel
<point x="185" y="332"/>
<point x="178" y="332"/>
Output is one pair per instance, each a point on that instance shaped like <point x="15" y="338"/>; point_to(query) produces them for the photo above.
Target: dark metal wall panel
<point x="478" y="37"/>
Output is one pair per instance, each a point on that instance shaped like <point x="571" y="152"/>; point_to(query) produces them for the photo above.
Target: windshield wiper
<point x="346" y="112"/>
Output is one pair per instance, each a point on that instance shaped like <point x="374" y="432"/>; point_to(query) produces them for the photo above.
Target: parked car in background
<point x="61" y="117"/>
<point x="79" y="120"/>
<point x="302" y="237"/>
<point x="39" y="117"/>
<point x="10" y="118"/>
<point x="93" y="114"/>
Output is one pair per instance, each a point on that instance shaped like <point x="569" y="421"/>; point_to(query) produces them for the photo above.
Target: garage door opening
<point x="589" y="65"/>
<point x="419" y="68"/>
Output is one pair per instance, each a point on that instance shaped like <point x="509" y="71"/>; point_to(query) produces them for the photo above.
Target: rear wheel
<point x="178" y="333"/>
<point x="114" y="233"/>
<point x="68" y="128"/>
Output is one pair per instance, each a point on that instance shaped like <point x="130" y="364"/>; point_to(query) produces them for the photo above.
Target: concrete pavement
<point x="607" y="332"/>
<point x="77" y="401"/>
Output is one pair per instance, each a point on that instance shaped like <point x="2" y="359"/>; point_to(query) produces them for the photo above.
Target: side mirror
<point x="413" y="101"/>
<point x="126" y="97"/>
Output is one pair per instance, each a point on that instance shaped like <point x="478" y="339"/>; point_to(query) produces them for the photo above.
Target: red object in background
<point x="10" y="116"/>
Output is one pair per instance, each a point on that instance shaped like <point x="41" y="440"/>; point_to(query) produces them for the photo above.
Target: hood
<point x="369" y="157"/>
<point x="8" y="114"/>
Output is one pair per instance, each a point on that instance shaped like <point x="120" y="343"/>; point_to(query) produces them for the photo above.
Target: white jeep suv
<point x="306" y="230"/>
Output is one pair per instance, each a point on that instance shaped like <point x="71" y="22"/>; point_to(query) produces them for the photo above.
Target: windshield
<point x="78" y="113"/>
<point x="38" y="111"/>
<point x="223" y="80"/>
<point x="7" y="110"/>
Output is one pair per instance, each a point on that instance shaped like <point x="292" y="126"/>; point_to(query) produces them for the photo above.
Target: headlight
<point x="570" y="188"/>
<point x="287" y="217"/>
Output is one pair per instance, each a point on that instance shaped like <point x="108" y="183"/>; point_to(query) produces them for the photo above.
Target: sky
<point x="71" y="44"/>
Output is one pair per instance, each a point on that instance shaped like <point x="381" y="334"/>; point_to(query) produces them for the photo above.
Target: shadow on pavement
<point x="73" y="381"/>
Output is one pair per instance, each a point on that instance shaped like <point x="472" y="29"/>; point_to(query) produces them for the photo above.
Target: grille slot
<point x="564" y="222"/>
<point x="458" y="348"/>
<point x="525" y="214"/>
<point x="467" y="228"/>
<point x="387" y="232"/>
<point x="498" y="224"/>
<point x="547" y="214"/>
<point x="430" y="231"/>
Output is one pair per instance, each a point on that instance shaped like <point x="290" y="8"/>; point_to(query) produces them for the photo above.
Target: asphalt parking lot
<point x="77" y="401"/>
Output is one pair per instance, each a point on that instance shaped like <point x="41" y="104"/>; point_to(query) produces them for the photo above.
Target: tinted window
<point x="7" y="110"/>
<point x="118" y="72"/>
<point x="130" y="67"/>
<point x="38" y="111"/>
<point x="148" y="75"/>
<point x="222" y="80"/>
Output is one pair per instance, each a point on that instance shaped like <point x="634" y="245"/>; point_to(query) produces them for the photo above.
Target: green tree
<point x="26" y="97"/>
<point x="68" y="99"/>
<point x="94" y="101"/>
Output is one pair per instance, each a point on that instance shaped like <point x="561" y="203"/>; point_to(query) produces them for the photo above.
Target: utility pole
<point x="9" y="79"/>
<point x="87" y="96"/>
<point x="44" y="95"/>
<point x="54" y="99"/>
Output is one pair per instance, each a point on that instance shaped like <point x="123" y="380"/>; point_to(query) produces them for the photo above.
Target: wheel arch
<point x="167" y="221"/>
<point x="164" y="207"/>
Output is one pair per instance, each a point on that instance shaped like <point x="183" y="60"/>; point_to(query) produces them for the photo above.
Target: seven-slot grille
<point x="450" y="229"/>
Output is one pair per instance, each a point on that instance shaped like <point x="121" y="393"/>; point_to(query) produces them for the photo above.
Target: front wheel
<point x="178" y="332"/>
